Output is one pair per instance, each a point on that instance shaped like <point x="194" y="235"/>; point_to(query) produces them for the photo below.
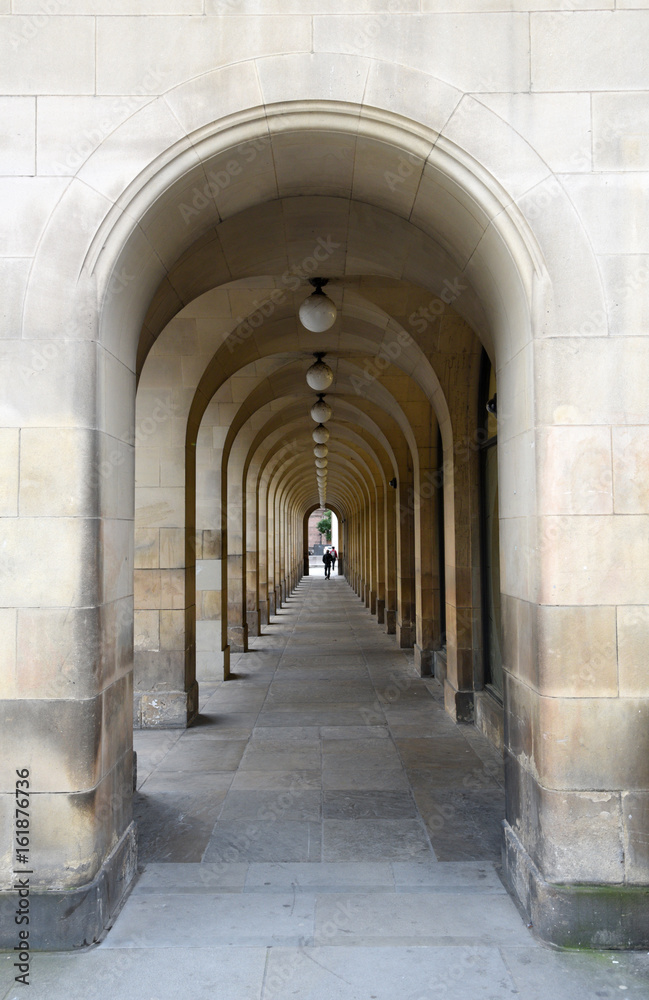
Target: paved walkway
<point x="325" y="833"/>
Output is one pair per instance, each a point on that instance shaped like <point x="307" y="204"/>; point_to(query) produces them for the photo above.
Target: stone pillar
<point x="165" y="692"/>
<point x="575" y="582"/>
<point x="391" y="513"/>
<point x="427" y="584"/>
<point x="405" y="625"/>
<point x="66" y="639"/>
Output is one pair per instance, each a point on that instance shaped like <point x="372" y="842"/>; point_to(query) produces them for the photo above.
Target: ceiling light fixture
<point x="318" y="312"/>
<point x="321" y="411"/>
<point x="319" y="376"/>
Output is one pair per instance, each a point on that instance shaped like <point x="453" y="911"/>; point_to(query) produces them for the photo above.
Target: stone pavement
<point x="325" y="832"/>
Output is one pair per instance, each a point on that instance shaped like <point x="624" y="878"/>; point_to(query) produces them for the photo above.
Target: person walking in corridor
<point x="327" y="564"/>
<point x="334" y="556"/>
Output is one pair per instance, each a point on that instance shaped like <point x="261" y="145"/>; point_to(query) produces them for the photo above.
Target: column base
<point x="458" y="704"/>
<point x="390" y="622"/>
<point x="405" y="635"/>
<point x="424" y="661"/>
<point x="165" y="709"/>
<point x="372" y="602"/>
<point x="253" y="623"/>
<point x="576" y="916"/>
<point x="380" y="611"/>
<point x="64" y="919"/>
<point x="238" y="638"/>
<point x="440" y="665"/>
<point x="490" y="718"/>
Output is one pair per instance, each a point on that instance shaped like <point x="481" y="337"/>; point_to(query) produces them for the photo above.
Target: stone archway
<point x="142" y="259"/>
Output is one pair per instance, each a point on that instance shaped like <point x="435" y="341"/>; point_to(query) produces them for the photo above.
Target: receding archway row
<point x="249" y="475"/>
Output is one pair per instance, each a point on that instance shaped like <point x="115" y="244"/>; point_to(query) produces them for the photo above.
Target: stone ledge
<point x="576" y="916"/>
<point x="66" y="919"/>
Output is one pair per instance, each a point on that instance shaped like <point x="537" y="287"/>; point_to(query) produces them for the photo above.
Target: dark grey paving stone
<point x="277" y="779"/>
<point x="421" y="918"/>
<point x="354" y="733"/>
<point x="275" y="741"/>
<point x="202" y="785"/>
<point x="329" y="715"/>
<point x="292" y="694"/>
<point x="258" y="841"/>
<point x="197" y="921"/>
<point x="143" y="973"/>
<point x="368" y="805"/>
<point x="362" y="749"/>
<point x="374" y="839"/>
<point x="323" y="676"/>
<point x="297" y="734"/>
<point x="449" y="776"/>
<point x="186" y="878"/>
<point x="173" y="827"/>
<point x="303" y="758"/>
<point x="362" y="876"/>
<point x="341" y="774"/>
<point x="272" y="805"/>
<point x="463" y="826"/>
<point x="194" y="756"/>
<point x="335" y="972"/>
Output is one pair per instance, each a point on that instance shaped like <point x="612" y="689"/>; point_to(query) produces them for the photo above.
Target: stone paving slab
<point x="389" y="973"/>
<point x="187" y="878"/>
<point x="216" y="972"/>
<point x="277" y="780"/>
<point x="363" y="876"/>
<point x="434" y="918"/>
<point x="378" y="840"/>
<point x="249" y="840"/>
<point x="368" y="805"/>
<point x="195" y="920"/>
<point x="268" y="805"/>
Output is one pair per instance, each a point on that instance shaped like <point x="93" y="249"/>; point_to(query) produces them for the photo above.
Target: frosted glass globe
<point x="321" y="451"/>
<point x="319" y="376"/>
<point x="317" y="313"/>
<point x="320" y="434"/>
<point x="321" y="412"/>
<point x="321" y="463"/>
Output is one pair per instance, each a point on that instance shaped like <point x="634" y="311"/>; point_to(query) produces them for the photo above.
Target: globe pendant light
<point x="319" y="376"/>
<point x="321" y="451"/>
<point x="321" y="411"/>
<point x="320" y="434"/>
<point x="318" y="313"/>
<point x="321" y="463"/>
